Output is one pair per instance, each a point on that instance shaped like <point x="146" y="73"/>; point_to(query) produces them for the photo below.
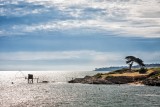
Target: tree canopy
<point x="132" y="59"/>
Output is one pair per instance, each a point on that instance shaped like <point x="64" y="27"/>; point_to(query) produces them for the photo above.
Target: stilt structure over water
<point x="30" y="79"/>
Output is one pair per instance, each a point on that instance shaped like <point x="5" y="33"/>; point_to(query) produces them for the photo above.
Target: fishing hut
<point x="30" y="79"/>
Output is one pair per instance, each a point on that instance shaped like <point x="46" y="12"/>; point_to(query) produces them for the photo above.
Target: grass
<point x="98" y="75"/>
<point x="129" y="74"/>
<point x="126" y="72"/>
<point x="155" y="71"/>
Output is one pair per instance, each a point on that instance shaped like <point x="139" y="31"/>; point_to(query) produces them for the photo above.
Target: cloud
<point x="69" y="60"/>
<point x="121" y="29"/>
<point x="82" y="55"/>
<point x="69" y="24"/>
<point x="136" y="18"/>
<point x="20" y="8"/>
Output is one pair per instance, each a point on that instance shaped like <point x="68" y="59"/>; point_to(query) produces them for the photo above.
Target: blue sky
<point x="77" y="34"/>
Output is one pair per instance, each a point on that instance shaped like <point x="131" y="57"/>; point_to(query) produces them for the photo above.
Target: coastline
<point x="138" y="83"/>
<point x="123" y="76"/>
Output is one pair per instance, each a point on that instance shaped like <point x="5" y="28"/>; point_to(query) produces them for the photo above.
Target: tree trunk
<point x="130" y="66"/>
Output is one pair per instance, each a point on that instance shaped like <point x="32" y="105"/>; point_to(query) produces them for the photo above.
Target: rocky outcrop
<point x="107" y="80"/>
<point x="90" y="80"/>
<point x="124" y="79"/>
<point x="152" y="82"/>
<point x="152" y="79"/>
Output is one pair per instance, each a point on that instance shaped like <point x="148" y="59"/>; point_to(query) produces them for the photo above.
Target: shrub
<point x="98" y="75"/>
<point x="142" y="71"/>
<point x="119" y="71"/>
<point x="154" y="74"/>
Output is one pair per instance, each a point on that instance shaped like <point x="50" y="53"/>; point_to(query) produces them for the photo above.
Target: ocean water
<point x="59" y="93"/>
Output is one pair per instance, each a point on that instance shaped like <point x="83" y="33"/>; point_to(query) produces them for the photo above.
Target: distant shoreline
<point x="112" y="68"/>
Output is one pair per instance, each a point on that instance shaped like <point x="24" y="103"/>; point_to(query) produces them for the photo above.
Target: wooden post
<point x="37" y="80"/>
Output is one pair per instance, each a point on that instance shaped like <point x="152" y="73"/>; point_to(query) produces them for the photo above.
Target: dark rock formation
<point x="153" y="79"/>
<point x="152" y="82"/>
<point x="107" y="80"/>
<point x="124" y="79"/>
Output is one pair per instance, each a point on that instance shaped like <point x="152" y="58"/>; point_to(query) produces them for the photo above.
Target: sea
<point x="16" y="92"/>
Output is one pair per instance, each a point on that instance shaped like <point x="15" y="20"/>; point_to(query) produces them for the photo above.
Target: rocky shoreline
<point x="151" y="79"/>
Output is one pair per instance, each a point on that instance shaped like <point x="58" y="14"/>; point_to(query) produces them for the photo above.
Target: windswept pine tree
<point x="132" y="59"/>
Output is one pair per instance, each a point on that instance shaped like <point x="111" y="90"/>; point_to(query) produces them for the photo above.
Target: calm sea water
<point x="59" y="93"/>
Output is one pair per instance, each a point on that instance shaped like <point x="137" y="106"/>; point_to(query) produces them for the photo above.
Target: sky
<point x="77" y="35"/>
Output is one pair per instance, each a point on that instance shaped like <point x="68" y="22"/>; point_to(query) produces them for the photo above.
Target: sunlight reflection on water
<point x="63" y="94"/>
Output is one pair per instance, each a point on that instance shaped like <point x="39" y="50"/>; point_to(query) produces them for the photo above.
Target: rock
<point x="152" y="82"/>
<point x="120" y="79"/>
<point x="153" y="79"/>
<point x="76" y="80"/>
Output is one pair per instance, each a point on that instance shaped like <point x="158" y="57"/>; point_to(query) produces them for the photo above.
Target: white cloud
<point x="91" y="56"/>
<point x="18" y="8"/>
<point x="69" y="60"/>
<point x="37" y="55"/>
<point x="122" y="28"/>
<point x="140" y="18"/>
<point x="70" y="24"/>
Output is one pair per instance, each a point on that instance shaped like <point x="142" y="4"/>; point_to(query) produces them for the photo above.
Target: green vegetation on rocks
<point x="123" y="76"/>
